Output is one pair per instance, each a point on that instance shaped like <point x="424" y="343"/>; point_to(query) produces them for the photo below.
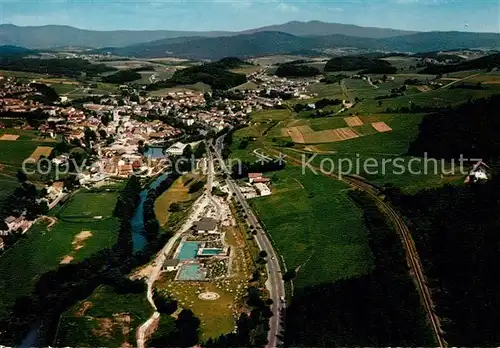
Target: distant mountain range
<point x="276" y="39"/>
<point x="272" y="42"/>
<point x="53" y="36"/>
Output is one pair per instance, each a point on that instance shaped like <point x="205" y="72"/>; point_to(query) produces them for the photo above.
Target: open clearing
<point x="305" y="135"/>
<point x="42" y="250"/>
<point x="9" y="137"/>
<point x="353" y="121"/>
<point x="315" y="226"/>
<point x="381" y="127"/>
<point x="39" y="152"/>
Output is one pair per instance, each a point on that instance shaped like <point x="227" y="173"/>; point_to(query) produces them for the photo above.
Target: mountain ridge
<point x="273" y="42"/>
<point x="50" y="36"/>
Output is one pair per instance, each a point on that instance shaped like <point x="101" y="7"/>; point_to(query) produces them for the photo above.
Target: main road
<point x="275" y="284"/>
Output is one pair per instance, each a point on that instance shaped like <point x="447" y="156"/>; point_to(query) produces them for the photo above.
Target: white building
<point x="171" y="265"/>
<point x="177" y="149"/>
<point x="262" y="189"/>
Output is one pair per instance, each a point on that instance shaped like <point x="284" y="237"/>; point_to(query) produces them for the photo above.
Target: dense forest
<point x="354" y="63"/>
<point x="58" y="67"/>
<point x="456" y="233"/>
<point x="378" y="309"/>
<point x="470" y="130"/>
<point x="456" y="227"/>
<point x="296" y="70"/>
<point x="122" y="76"/>
<point x="488" y="63"/>
<point x="215" y="74"/>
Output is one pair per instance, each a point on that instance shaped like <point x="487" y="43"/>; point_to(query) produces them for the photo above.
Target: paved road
<point x="275" y="283"/>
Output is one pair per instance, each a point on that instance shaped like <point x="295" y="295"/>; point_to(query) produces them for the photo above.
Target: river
<point x="139" y="241"/>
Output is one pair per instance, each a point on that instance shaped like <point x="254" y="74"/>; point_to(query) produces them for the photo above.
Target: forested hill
<point x="487" y="63"/>
<point x="57" y="67"/>
<point x="215" y="74"/>
<point x="366" y="64"/>
<point x="470" y="130"/>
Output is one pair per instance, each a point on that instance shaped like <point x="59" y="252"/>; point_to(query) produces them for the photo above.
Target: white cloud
<point x="287" y="7"/>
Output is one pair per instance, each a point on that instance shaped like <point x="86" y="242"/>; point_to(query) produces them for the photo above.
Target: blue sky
<point x="423" y="15"/>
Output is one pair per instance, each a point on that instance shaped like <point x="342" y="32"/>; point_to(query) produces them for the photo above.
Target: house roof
<point x="171" y="262"/>
<point x="205" y="224"/>
<point x="257" y="180"/>
<point x="254" y="175"/>
<point x="10" y="219"/>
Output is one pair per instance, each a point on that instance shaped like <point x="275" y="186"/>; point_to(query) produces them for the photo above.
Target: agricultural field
<point x="439" y="98"/>
<point x="70" y="239"/>
<point x="246" y="70"/>
<point x="18" y="145"/>
<point x="331" y="91"/>
<point x="89" y="206"/>
<point x="315" y="226"/>
<point x="104" y="319"/>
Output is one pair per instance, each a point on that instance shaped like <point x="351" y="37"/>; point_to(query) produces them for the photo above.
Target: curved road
<point x="275" y="284"/>
<point x="412" y="257"/>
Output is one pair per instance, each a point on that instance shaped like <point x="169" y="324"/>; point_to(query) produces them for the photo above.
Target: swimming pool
<point x="189" y="250"/>
<point x="191" y="272"/>
<point x="210" y="251"/>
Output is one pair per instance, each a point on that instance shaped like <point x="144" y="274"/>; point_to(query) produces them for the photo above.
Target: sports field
<point x="69" y="240"/>
<point x="315" y="226"/>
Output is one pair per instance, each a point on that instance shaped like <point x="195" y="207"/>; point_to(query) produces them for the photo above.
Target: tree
<point x="289" y="275"/>
<point x="263" y="253"/>
<point x="200" y="150"/>
<point x="174" y="207"/>
<point x="21" y="176"/>
<point x="188" y="151"/>
<point x="90" y="135"/>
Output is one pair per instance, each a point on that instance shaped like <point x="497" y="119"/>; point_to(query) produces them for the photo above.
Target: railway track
<point x="412" y="258"/>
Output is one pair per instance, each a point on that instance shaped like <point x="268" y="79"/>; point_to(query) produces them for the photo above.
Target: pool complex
<point x="191" y="272"/>
<point x="210" y="251"/>
<point x="189" y="250"/>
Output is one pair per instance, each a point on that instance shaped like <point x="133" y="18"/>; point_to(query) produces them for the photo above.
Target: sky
<point x="235" y="15"/>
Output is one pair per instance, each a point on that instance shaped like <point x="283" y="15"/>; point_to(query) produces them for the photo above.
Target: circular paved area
<point x="209" y="296"/>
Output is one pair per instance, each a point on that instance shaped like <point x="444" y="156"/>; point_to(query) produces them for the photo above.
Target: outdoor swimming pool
<point x="210" y="251"/>
<point x="189" y="250"/>
<point x="191" y="272"/>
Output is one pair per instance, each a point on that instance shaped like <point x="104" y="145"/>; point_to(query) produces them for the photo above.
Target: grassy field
<point x="216" y="316"/>
<point x="84" y="206"/>
<point x="247" y="70"/>
<point x="331" y="91"/>
<point x="44" y="249"/>
<point x="315" y="226"/>
<point x="178" y="192"/>
<point x="271" y="115"/>
<point x="105" y="319"/>
<point x="404" y="130"/>
<point x="16" y="151"/>
<point x="439" y="98"/>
